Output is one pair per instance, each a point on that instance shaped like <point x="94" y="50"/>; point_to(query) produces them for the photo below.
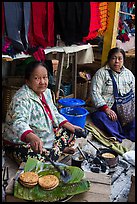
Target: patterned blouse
<point x="102" y="87"/>
<point x="27" y="113"/>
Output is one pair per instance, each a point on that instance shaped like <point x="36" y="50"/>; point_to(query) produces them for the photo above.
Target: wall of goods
<point x="54" y="27"/>
<point x="38" y="25"/>
<point x="28" y="28"/>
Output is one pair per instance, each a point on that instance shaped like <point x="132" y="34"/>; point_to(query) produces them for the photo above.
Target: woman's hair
<point x="113" y="51"/>
<point x="31" y="67"/>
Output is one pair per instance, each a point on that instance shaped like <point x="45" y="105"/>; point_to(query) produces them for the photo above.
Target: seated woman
<point x="33" y="123"/>
<point x="104" y="113"/>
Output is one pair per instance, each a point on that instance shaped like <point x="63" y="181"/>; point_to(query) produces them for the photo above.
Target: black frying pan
<point x="110" y="161"/>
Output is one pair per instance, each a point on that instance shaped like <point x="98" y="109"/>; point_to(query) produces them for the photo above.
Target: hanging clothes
<point x="3" y="24"/>
<point x="72" y="21"/>
<point x="3" y="20"/>
<point x="17" y="18"/>
<point x="131" y="7"/>
<point x="124" y="8"/>
<point x="41" y="30"/>
<point x="103" y="7"/>
<point x="94" y="21"/>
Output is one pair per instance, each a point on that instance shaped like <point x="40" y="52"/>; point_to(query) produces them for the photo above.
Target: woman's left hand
<point x="71" y="127"/>
<point x="77" y="127"/>
<point x="111" y="114"/>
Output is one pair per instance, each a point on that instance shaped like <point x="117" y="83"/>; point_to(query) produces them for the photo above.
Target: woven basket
<point x="82" y="90"/>
<point x="130" y="62"/>
<point x="10" y="86"/>
<point x="14" y="81"/>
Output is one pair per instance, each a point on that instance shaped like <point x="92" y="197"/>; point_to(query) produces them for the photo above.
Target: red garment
<point x="39" y="55"/>
<point x="130" y="4"/>
<point x="95" y="23"/>
<point x="46" y="107"/>
<point x="23" y="136"/>
<point x="123" y="37"/>
<point x="103" y="108"/>
<point x="41" y="30"/>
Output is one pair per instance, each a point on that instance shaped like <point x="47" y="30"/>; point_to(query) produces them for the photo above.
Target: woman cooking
<point x="33" y="123"/>
<point x="113" y="78"/>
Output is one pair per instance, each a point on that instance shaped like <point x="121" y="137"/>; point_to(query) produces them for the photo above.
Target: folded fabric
<point x="130" y="157"/>
<point x="110" y="142"/>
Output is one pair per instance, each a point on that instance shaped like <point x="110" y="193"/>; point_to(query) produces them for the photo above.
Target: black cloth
<point x="72" y="21"/>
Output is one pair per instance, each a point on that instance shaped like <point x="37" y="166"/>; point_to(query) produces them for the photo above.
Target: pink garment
<point x="6" y="45"/>
<point x="95" y="23"/>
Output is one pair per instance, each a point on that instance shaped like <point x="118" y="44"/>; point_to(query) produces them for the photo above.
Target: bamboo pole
<point x="112" y="30"/>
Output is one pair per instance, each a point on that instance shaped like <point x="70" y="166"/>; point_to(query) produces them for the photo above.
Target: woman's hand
<point x="35" y="142"/>
<point x="71" y="127"/>
<point x="111" y="114"/>
<point x="77" y="127"/>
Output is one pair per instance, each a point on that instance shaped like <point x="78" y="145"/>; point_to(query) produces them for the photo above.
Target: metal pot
<point x="77" y="159"/>
<point x="112" y="162"/>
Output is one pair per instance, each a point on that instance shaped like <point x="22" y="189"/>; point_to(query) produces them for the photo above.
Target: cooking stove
<point x="92" y="164"/>
<point x="99" y="165"/>
<point x="95" y="164"/>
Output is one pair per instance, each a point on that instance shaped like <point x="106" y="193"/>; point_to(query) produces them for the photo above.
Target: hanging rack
<point x="127" y="13"/>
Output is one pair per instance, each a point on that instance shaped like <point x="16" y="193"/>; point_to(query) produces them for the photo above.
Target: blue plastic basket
<point x="75" y="115"/>
<point x="69" y="102"/>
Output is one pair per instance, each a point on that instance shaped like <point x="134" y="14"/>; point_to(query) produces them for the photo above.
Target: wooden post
<point x="59" y="75"/>
<point x="74" y="75"/>
<point x="112" y="29"/>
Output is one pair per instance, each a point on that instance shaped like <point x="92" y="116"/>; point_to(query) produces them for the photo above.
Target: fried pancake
<point x="48" y="189"/>
<point x="28" y="185"/>
<point x="29" y="177"/>
<point x="108" y="155"/>
<point x="48" y="182"/>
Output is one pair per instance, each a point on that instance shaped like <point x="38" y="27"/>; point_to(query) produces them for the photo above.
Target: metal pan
<point x="112" y="162"/>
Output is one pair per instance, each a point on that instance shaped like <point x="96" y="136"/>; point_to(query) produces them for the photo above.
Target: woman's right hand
<point x="35" y="142"/>
<point x="111" y="114"/>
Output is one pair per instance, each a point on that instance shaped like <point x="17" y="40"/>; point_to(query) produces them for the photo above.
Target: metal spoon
<point x="63" y="173"/>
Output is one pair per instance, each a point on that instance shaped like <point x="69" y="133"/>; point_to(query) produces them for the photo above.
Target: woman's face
<point x="116" y="61"/>
<point x="38" y="81"/>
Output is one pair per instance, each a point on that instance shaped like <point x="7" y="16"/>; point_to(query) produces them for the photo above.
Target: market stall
<point x="43" y="31"/>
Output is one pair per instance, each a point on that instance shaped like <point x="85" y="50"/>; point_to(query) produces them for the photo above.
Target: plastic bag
<point x="130" y="157"/>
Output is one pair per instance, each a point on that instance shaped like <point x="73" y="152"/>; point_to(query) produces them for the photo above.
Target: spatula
<point x="80" y="150"/>
<point x="65" y="176"/>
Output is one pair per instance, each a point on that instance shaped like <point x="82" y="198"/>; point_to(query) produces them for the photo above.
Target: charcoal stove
<point x="99" y="166"/>
<point x="96" y="165"/>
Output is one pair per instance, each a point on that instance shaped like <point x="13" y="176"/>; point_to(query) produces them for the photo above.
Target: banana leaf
<point x="76" y="185"/>
<point x="107" y="141"/>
